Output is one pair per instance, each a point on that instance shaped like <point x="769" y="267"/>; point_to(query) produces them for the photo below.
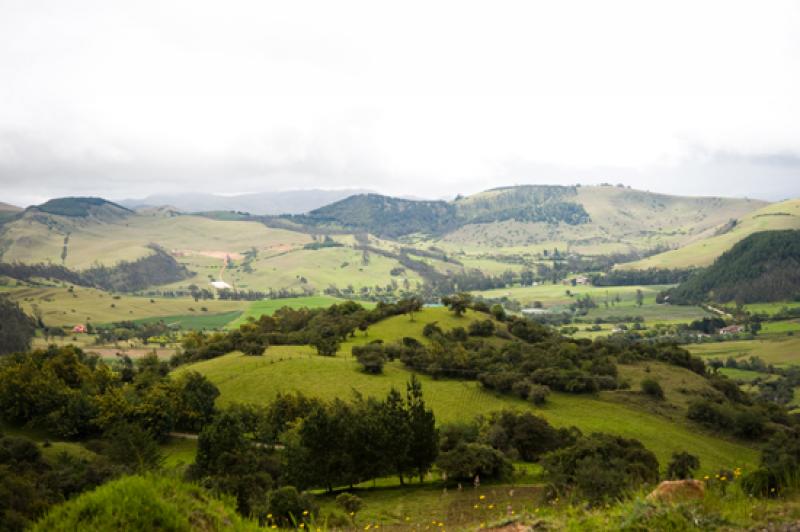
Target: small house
<point x="79" y="329"/>
<point x="731" y="329"/>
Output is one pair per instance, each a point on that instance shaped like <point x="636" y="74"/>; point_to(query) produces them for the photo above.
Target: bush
<point x="371" y="357"/>
<point x="470" y="459"/>
<point x="682" y="466"/>
<point x="538" y="393"/>
<point x="144" y="503"/>
<point x="481" y="328"/>
<point x="600" y="468"/>
<point x="652" y="388"/>
<point x="290" y="507"/>
<point x="350" y="503"/>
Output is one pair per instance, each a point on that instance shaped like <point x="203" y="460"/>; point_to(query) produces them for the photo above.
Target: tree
<point x="289" y="507"/>
<point x="682" y="466"/>
<point x="134" y="447"/>
<point x="16" y="328"/>
<point x="458" y="303"/>
<point x="652" y="388"/>
<point x="600" y="467"/>
<point x="467" y="460"/>
<point x="639" y="297"/>
<point x="196" y="396"/>
<point x="423" y="445"/>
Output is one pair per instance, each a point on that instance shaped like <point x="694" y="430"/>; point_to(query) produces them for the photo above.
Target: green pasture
<point x="780" y="351"/>
<point x="269" y="306"/>
<point x="555" y="295"/>
<point x="285" y="369"/>
<point x="196" y="321"/>
<point x="61" y="307"/>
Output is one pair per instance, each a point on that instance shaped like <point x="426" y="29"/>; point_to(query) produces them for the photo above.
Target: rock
<point x="677" y="490"/>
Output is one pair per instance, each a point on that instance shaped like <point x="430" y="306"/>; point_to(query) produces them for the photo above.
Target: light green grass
<point x="60" y="307"/>
<point x="779" y="351"/>
<point x="770" y="308"/>
<point x="703" y="252"/>
<point x="743" y="375"/>
<point x="196" y="321"/>
<point x="285" y="369"/>
<point x="554" y="295"/>
<point x="269" y="306"/>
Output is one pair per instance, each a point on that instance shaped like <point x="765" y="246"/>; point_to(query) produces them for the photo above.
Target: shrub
<point x="600" y="467"/>
<point x="470" y="459"/>
<point x="371" y="357"/>
<point x="350" y="503"/>
<point x="682" y="466"/>
<point x="289" y="507"/>
<point x="481" y="328"/>
<point x="652" y="388"/>
<point x="538" y="393"/>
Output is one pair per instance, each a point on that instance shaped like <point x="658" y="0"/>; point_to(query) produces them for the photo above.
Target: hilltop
<point x="763" y="267"/>
<point x="282" y="202"/>
<point x="773" y="217"/>
<point x="587" y="219"/>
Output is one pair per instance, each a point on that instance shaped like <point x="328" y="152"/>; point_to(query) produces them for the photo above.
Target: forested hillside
<point x="764" y="266"/>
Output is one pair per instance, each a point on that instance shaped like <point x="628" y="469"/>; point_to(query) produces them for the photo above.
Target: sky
<point x="425" y="99"/>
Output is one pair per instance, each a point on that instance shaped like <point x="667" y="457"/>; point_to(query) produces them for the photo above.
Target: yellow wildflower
<point x="305" y="512"/>
<point x="482" y="497"/>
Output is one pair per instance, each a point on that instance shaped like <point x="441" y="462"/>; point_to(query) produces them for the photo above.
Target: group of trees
<point x="74" y="395"/>
<point x="323" y="328"/>
<point x="16" y="327"/>
<point x="120" y="412"/>
<point x="532" y="357"/>
<point x="765" y="266"/>
<point x="159" y="267"/>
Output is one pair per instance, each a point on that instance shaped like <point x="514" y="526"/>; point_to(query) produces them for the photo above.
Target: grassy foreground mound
<point x="145" y="503"/>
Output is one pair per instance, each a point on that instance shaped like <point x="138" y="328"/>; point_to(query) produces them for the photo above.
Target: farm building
<point x="80" y="328"/>
<point x="731" y="329"/>
<point x="220" y="285"/>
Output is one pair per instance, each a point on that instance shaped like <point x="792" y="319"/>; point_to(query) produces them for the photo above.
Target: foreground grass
<point x="139" y="503"/>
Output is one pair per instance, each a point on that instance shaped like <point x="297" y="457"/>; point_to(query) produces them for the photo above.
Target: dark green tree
<point x="682" y="466"/>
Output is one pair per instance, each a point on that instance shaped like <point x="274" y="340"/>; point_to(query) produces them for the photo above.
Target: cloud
<point x="427" y="99"/>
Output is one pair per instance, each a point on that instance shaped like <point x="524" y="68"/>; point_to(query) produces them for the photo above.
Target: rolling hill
<point x="444" y="238"/>
<point x="596" y="219"/>
<point x="703" y="252"/>
<point x="281" y="202"/>
<point x="764" y="266"/>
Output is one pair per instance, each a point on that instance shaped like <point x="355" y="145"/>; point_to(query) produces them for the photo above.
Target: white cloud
<point x="423" y="98"/>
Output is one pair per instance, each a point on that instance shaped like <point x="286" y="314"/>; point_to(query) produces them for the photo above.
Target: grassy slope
<point x="268" y="306"/>
<point x="783" y="350"/>
<point x="289" y="368"/>
<point x="145" y="503"/>
<point x="622" y="220"/>
<point x="61" y="307"/>
<point x="784" y="215"/>
<point x="555" y="295"/>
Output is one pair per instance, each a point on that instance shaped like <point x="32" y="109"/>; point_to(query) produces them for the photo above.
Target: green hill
<point x="139" y="503"/>
<point x="763" y="267"/>
<point x="296" y="368"/>
<point x="617" y="219"/>
<point x="774" y="217"/>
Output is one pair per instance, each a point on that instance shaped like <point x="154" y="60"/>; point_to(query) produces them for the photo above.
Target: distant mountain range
<point x="282" y="202"/>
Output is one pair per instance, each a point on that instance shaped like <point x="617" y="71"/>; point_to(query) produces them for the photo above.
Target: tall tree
<point x="424" y="438"/>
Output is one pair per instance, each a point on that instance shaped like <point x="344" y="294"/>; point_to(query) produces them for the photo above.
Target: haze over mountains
<point x="280" y="202"/>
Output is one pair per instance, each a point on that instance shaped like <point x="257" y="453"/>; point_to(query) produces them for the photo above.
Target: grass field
<point x="781" y="351"/>
<point x="196" y="321"/>
<point x="268" y="306"/>
<point x="555" y="295"/>
<point x="770" y="308"/>
<point x="285" y="369"/>
<point x="61" y="307"/>
<point x="783" y="215"/>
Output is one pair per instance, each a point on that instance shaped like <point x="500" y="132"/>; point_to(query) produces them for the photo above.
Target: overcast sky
<point x="124" y="99"/>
